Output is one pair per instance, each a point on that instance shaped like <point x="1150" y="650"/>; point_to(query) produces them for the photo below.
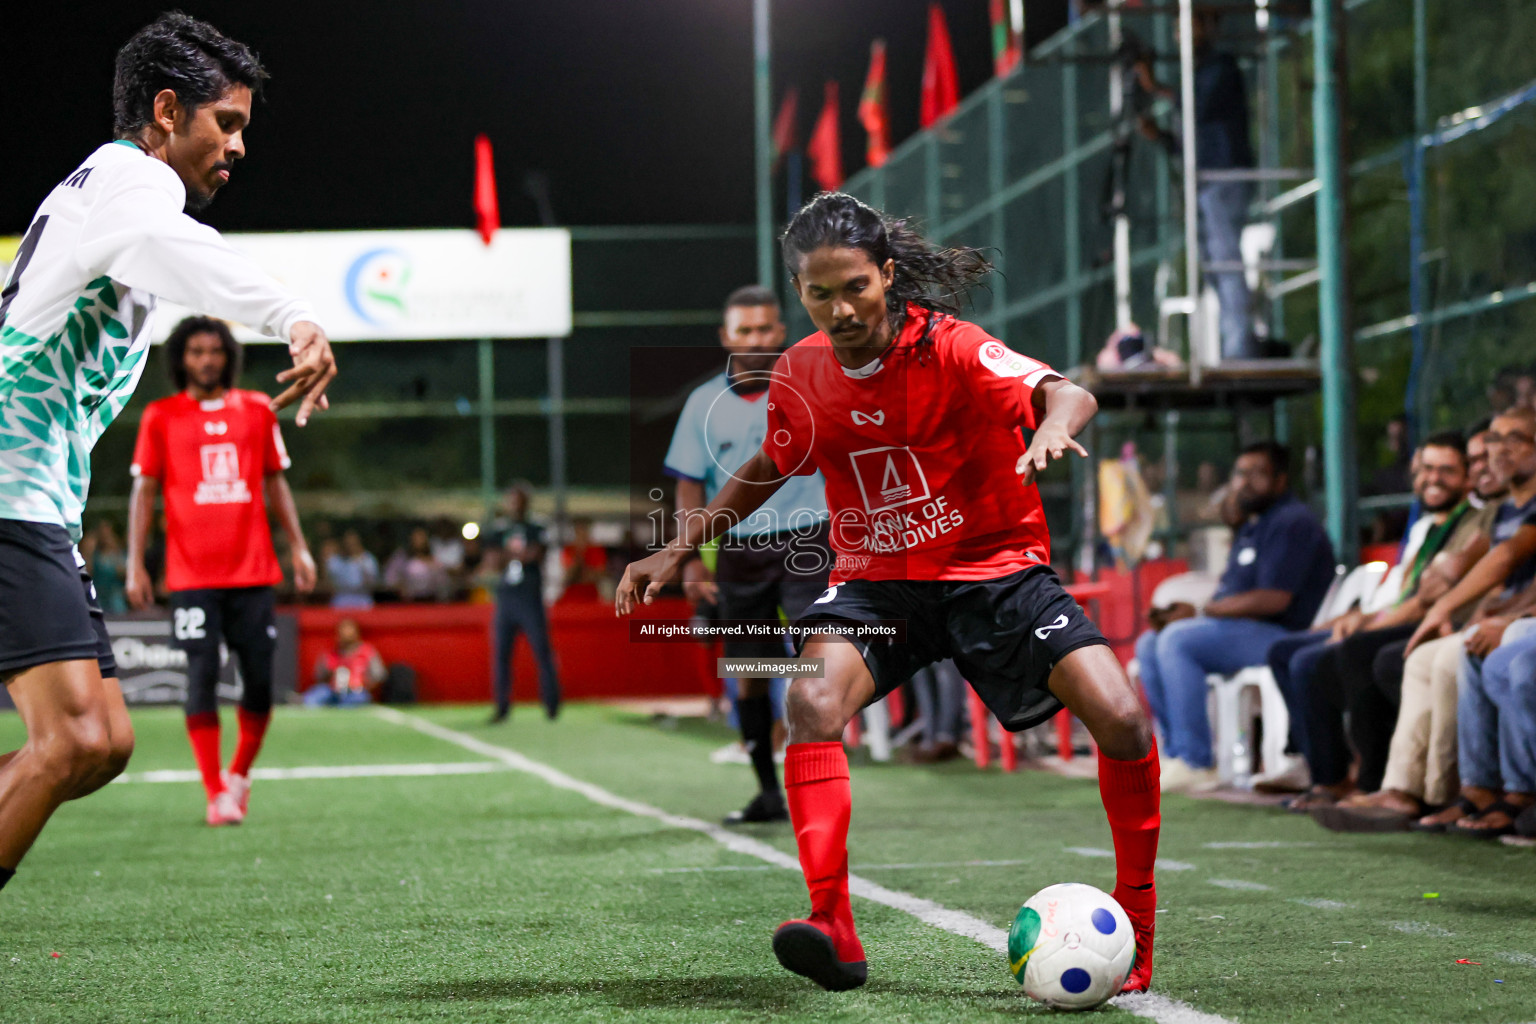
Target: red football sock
<point x="252" y="730"/>
<point x="203" y="731"/>
<point x="1131" y="794"/>
<point x="820" y="804"/>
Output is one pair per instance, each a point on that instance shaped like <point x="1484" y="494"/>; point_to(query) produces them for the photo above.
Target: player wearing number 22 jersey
<point x="216" y="453"/>
<point x="916" y="419"/>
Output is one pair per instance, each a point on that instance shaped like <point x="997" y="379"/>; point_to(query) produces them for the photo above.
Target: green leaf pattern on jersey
<point x="57" y="396"/>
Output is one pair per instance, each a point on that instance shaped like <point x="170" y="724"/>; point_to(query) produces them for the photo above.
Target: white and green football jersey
<point x="75" y="317"/>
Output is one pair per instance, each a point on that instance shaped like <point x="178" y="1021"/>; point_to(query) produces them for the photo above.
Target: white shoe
<point x="1203" y="780"/>
<point x="239" y="787"/>
<point x="1292" y="776"/>
<point x="1179" y="777"/>
<point x="731" y="753"/>
<point x="224" y="810"/>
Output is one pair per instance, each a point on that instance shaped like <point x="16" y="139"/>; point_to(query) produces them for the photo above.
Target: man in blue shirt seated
<point x="1278" y="573"/>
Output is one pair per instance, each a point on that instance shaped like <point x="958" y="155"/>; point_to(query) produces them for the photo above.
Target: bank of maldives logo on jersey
<point x="889" y="477"/>
<point x="222" y="483"/>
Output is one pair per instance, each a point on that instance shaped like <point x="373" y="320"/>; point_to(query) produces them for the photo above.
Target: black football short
<point x="1006" y="634"/>
<point x="245" y="618"/>
<point x="756" y="576"/>
<point x="48" y="608"/>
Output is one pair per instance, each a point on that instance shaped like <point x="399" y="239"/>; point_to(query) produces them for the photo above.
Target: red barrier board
<point x="449" y="646"/>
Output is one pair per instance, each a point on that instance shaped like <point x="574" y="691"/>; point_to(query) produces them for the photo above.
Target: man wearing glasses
<point x="1496" y="680"/>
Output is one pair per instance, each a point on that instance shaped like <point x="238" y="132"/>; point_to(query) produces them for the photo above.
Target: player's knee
<point x="1127" y="731"/>
<point x="75" y="753"/>
<point x="814" y="708"/>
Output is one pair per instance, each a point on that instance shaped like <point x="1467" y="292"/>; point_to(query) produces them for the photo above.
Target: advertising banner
<point x="152" y="671"/>
<point x="403" y="285"/>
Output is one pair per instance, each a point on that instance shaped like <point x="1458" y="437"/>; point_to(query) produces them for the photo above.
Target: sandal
<point x="1467" y="807"/>
<point x="1509" y="810"/>
<point x="1525" y="823"/>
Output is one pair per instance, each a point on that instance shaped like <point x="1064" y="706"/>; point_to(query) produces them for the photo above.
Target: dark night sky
<point x="639" y="111"/>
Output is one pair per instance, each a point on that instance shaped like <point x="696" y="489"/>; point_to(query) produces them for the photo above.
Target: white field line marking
<point x="1519" y="959"/>
<point x="1090" y="851"/>
<point x="348" y="771"/>
<point x="1256" y="846"/>
<point x="1434" y="931"/>
<point x="1238" y="883"/>
<point x="1174" y="865"/>
<point x="1151" y="1005"/>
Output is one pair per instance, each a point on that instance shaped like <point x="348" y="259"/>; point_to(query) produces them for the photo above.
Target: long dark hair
<point x="936" y="279"/>
<point x="176" y="350"/>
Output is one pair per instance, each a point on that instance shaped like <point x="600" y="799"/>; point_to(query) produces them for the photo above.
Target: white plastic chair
<point x="1233" y="697"/>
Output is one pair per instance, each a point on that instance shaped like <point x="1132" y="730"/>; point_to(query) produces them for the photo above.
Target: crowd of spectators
<point x="1415" y="706"/>
<point x="362" y="564"/>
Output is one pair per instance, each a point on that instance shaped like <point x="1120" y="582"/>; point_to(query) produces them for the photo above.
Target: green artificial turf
<point x="497" y="897"/>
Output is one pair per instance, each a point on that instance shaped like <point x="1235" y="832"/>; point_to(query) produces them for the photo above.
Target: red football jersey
<point x="919" y="450"/>
<point x="212" y="460"/>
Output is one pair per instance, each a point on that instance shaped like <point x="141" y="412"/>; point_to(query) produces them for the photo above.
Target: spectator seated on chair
<point x="1421" y="758"/>
<point x="347" y="674"/>
<point x="1496" y="725"/>
<point x="1327" y="675"/>
<point x="1279" y="570"/>
<point x="1494" y="780"/>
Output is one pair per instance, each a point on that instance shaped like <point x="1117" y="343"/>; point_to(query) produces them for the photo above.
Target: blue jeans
<point x="1496" y="713"/>
<point x="1174" y="664"/>
<point x="1293" y="659"/>
<point x="777" y="690"/>
<point x="1223" y="212"/>
<point x="322" y="696"/>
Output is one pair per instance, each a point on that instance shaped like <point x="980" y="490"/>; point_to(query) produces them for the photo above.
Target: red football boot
<point x="830" y="955"/>
<point x="1140" y="906"/>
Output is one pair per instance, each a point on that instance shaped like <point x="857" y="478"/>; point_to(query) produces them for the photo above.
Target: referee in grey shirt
<point x="779" y="556"/>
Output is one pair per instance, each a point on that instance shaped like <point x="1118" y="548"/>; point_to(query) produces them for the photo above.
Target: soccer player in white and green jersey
<point x="74" y="330"/>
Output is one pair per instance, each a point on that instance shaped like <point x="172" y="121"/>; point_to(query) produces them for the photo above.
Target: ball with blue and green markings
<point x="1071" y="946"/>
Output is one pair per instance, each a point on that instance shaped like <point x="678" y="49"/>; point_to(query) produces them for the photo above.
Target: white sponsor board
<point x="402" y="285"/>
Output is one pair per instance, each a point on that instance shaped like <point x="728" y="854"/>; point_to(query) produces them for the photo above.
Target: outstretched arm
<point x="138" y="235"/>
<point x="1067" y="409"/>
<point x="749" y="487"/>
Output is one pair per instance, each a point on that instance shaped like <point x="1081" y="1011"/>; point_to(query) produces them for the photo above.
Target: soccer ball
<point x="1071" y="946"/>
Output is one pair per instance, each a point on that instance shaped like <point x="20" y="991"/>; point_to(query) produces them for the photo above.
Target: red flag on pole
<point x="784" y="125"/>
<point x="487" y="212"/>
<point x="941" y="85"/>
<point x="873" y="114"/>
<point x="1006" y="50"/>
<point x="826" y="146"/>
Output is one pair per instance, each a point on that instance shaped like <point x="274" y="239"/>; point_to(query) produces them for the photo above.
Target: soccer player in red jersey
<point x="217" y="454"/>
<point x="914" y="418"/>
